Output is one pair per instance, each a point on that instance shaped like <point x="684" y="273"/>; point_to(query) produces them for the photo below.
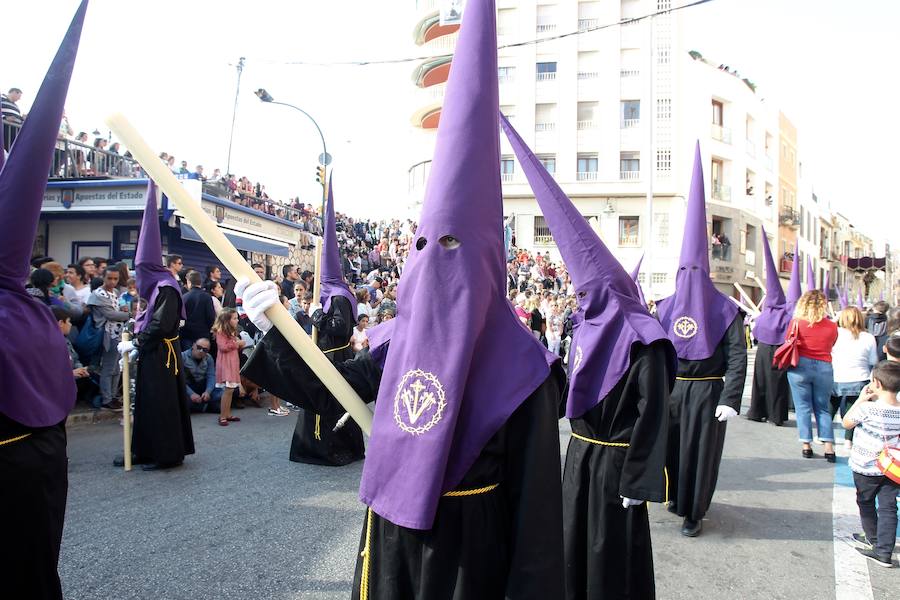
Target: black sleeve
<point x="735" y="346"/>
<point x="533" y="490"/>
<point x="650" y="379"/>
<point x="336" y="322"/>
<point x="276" y="367"/>
<point x="209" y="312"/>
<point x="165" y="318"/>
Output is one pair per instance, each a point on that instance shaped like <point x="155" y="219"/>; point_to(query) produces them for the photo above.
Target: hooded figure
<point x="162" y="418"/>
<point x="708" y="332"/>
<point x="618" y="402"/>
<point x="860" y="303"/>
<point x="826" y="287"/>
<point x="844" y="296"/>
<point x="314" y="440"/>
<point x="771" y="394"/>
<point x="34" y="359"/>
<point x="810" y="275"/>
<point x="462" y="476"/>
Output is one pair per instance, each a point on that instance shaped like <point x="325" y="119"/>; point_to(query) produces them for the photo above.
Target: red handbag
<point x="788" y="354"/>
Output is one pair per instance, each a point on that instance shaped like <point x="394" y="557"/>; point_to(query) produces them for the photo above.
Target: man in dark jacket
<point x="876" y="324"/>
<point x="201" y="314"/>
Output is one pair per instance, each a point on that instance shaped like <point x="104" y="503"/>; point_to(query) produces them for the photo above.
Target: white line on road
<point x="851" y="572"/>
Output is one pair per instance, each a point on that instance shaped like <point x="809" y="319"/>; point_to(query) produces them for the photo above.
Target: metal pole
<point x="651" y="113"/>
<point x="237" y="93"/>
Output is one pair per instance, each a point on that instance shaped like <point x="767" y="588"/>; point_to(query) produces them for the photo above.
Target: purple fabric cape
<point x="39" y="390"/>
<point x="614" y="318"/>
<point x="449" y="385"/>
<point x="844" y="297"/>
<point x="332" y="277"/>
<point x="149" y="271"/>
<point x="810" y="275"/>
<point x="860" y="304"/>
<point x="697" y="315"/>
<point x="634" y="277"/>
<point x="771" y="325"/>
<point x="826" y="286"/>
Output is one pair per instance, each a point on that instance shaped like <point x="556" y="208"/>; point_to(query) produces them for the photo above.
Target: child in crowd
<point x="130" y="295"/>
<point x="359" y="339"/>
<point x="892" y="348"/>
<point x="876" y="417"/>
<point x="228" y="363"/>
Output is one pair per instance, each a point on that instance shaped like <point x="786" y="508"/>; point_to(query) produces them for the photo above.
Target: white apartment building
<point x="615" y="115"/>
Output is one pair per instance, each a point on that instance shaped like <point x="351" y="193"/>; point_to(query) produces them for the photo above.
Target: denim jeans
<point x="109" y="373"/>
<point x="880" y="524"/>
<point x="811" y="382"/>
<point x="843" y="396"/>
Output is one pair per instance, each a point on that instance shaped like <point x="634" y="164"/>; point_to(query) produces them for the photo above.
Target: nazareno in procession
<point x="462" y="492"/>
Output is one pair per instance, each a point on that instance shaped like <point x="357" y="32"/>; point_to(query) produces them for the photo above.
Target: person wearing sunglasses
<point x="200" y="377"/>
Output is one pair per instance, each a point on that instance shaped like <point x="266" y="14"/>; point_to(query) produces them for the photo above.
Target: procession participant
<point x="771" y="394"/>
<point x="314" y="440"/>
<point x="39" y="390"/>
<point x="162" y="418"/>
<point x="708" y="332"/>
<point x="462" y="474"/>
<point x="618" y="403"/>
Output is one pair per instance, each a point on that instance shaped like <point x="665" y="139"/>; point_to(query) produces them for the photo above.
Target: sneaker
<point x="292" y="407"/>
<point x="860" y="538"/>
<point x="114" y="406"/>
<point x="278" y="412"/>
<point x="879" y="560"/>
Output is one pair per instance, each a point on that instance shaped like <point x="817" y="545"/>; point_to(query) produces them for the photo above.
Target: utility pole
<point x="237" y="94"/>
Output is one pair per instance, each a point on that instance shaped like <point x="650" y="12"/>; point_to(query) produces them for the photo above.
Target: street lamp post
<point x="324" y="161"/>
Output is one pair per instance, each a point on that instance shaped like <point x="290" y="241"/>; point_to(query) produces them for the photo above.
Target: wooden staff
<point x="238" y="266"/>
<point x="747" y="298"/>
<point x="317" y="281"/>
<point x="126" y="402"/>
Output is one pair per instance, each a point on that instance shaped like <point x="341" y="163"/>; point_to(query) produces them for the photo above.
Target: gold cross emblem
<point x="419" y="395"/>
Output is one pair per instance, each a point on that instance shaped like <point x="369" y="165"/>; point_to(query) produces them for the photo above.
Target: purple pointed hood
<point x="794" y="285"/>
<point x="860" y="303"/>
<point x="810" y="275"/>
<point x="826" y="286"/>
<point x="34" y="362"/>
<point x="614" y="319"/>
<point x="448" y="386"/>
<point x="772" y="323"/>
<point x="332" y="276"/>
<point x="844" y="297"/>
<point x="697" y="315"/>
<point x="149" y="271"/>
<point x="634" y="277"/>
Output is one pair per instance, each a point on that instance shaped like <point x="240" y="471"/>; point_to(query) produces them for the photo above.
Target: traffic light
<point x="320" y="175"/>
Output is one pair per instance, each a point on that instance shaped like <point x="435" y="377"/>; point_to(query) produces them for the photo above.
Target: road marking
<point x="851" y="571"/>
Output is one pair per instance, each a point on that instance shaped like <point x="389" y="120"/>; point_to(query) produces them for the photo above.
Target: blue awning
<point x="241" y="242"/>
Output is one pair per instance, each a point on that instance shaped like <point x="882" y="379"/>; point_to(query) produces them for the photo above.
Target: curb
<point x="91" y="417"/>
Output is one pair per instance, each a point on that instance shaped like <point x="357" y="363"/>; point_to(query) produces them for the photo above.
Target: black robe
<point x="505" y="543"/>
<point x="162" y="419"/>
<point x="33" y="487"/>
<point x="771" y="394"/>
<point x="608" y="549"/>
<point x="696" y="437"/>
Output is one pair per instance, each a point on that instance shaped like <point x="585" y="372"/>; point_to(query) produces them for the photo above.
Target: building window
<point x="546" y="71"/>
<point x="546" y="18"/>
<point x="506" y="74"/>
<point x="545" y="117"/>
<point x="587" y="114"/>
<point x="542" y="236"/>
<point x="631" y="113"/>
<point x="587" y="167"/>
<point x="588" y="65"/>
<point x="549" y="162"/>
<point x="663" y="161"/>
<point x="660" y="278"/>
<point x="509" y="112"/>
<point x="717" y="113"/>
<point x="507" y="168"/>
<point x="629" y="166"/>
<point x="663" y="109"/>
<point x="506" y="21"/>
<point x="588" y="13"/>
<point x="663" y="54"/>
<point x="629" y="231"/>
<point x="661" y="229"/>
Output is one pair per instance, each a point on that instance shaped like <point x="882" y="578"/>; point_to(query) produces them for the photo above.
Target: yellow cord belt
<point x="318" y="432"/>
<point x="13" y="440"/>
<point x="719" y="378"/>
<point x="171" y="353"/>
<point x="600" y="442"/>
<point x="366" y="554"/>
<point x="347" y="345"/>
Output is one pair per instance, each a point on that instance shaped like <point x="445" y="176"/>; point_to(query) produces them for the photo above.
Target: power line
<point x="362" y="63"/>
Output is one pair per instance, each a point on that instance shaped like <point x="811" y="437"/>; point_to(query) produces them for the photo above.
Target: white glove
<point x="723" y="413"/>
<point x="129" y="356"/>
<point x="626" y="502"/>
<point x="257" y="299"/>
<point x="125" y="347"/>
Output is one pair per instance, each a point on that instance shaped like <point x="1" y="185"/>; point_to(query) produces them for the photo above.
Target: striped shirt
<point x="877" y="426"/>
<point x="10" y="110"/>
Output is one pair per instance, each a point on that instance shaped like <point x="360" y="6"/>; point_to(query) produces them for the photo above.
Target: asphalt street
<point x="240" y="521"/>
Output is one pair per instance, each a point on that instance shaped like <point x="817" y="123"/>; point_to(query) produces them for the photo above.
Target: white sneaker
<point x="278" y="412"/>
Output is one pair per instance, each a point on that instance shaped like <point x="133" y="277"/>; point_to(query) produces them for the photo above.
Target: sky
<point x="170" y="68"/>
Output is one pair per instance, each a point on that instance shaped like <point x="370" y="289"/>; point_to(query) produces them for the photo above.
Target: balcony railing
<point x="629" y="241"/>
<point x="630" y="123"/>
<point x="586" y="176"/>
<point x="588" y="75"/>
<point x="789" y="217"/>
<point x="506" y="78"/>
<point x="587" y="23"/>
<point x="721" y="192"/>
<point x="582" y="125"/>
<point x="544" y="126"/>
<point x="506" y="177"/>
<point x="545" y="27"/>
<point x="543" y="240"/>
<point x="629" y="175"/>
<point x="623" y="73"/>
<point x="751" y="148"/>
<point x="723" y="134"/>
<point x="546" y="76"/>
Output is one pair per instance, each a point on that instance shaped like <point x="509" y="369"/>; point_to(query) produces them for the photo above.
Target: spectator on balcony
<point x="98" y="157"/>
<point x="726" y="246"/>
<point x="198" y="173"/>
<point x="716" y="246"/>
<point x="216" y="176"/>
<point x="170" y="162"/>
<point x="79" y="159"/>
<point x="183" y="170"/>
<point x="10" y="109"/>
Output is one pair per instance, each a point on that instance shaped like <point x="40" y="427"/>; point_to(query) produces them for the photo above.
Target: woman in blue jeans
<point x="812" y="379"/>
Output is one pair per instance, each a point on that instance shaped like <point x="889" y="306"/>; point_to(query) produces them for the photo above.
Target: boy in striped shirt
<point x="876" y="418"/>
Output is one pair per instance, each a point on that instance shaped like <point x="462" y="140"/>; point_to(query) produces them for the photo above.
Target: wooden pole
<point x="317" y="281"/>
<point x="746" y="297"/>
<point x="238" y="266"/>
<point x="126" y="403"/>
